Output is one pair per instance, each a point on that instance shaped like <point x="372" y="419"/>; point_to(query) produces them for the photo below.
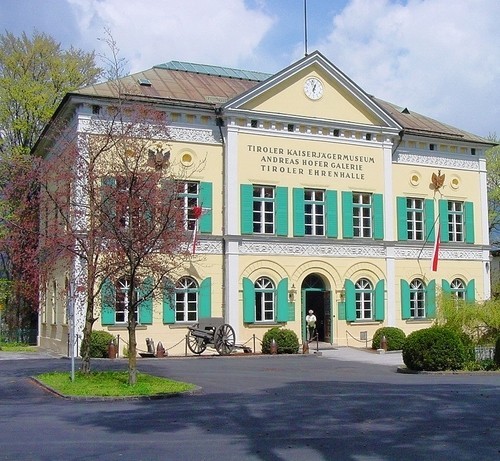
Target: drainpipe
<point x="401" y="134"/>
<point x="220" y="123"/>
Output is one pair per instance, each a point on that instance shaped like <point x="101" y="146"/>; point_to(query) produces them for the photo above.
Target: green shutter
<point x="248" y="301"/>
<point x="443" y="221"/>
<point x="429" y="218"/>
<point x="430" y="299"/>
<point x="107" y="303"/>
<point x="332" y="218"/>
<point x="350" y="301"/>
<point x="445" y="286"/>
<point x="281" y="216"/>
<point x="402" y="218"/>
<point x="469" y="222"/>
<point x="205" y="299"/>
<point x="341" y="310"/>
<point x="206" y="201"/>
<point x="298" y="212"/>
<point x="380" y="300"/>
<point x="146" y="303"/>
<point x="347" y="230"/>
<point x="169" y="303"/>
<point x="282" y="301"/>
<point x="470" y="291"/>
<point x="378" y="216"/>
<point x="405" y="299"/>
<point x="246" y="200"/>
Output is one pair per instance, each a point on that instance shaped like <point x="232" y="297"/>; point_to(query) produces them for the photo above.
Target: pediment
<point x="341" y="100"/>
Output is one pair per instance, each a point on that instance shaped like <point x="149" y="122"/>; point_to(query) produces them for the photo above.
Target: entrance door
<point x="315" y="297"/>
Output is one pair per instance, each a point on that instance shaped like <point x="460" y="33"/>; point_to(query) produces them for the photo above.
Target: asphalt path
<point x="273" y="408"/>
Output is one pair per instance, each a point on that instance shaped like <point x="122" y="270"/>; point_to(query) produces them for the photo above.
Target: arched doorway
<point x="315" y="296"/>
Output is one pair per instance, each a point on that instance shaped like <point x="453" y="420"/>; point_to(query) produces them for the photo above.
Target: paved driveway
<point x="257" y="408"/>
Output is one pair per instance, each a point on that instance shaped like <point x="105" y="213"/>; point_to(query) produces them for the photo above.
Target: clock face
<point x="313" y="88"/>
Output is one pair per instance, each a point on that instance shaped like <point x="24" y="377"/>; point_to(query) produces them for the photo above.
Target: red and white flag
<point x="435" y="252"/>
<point x="197" y="212"/>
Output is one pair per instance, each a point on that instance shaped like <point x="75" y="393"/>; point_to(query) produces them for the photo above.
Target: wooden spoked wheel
<point x="196" y="345"/>
<point x="224" y="339"/>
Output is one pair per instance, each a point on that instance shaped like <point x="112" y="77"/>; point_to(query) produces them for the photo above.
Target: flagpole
<point x="305" y="27"/>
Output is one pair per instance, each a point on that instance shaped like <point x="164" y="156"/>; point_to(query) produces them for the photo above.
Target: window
<point x="362" y="215"/>
<point x="417" y="298"/>
<point x="415" y="218"/>
<point x="264" y="300"/>
<point x="122" y="302"/>
<point x="54" y="301"/>
<point x="458" y="289"/>
<point x="189" y="196"/>
<point x="186" y="300"/>
<point x="364" y="299"/>
<point x="314" y="211"/>
<point x="455" y="221"/>
<point x="263" y="209"/>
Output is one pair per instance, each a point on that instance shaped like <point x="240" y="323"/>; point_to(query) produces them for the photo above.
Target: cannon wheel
<point x="224" y="339"/>
<point x="196" y="345"/>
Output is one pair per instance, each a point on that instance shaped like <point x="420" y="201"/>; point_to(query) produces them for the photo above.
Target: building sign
<point x="312" y="163"/>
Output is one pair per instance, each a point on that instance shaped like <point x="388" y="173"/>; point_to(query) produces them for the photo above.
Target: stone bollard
<point x="383" y="343"/>
<point x="274" y="346"/>
<point x="112" y="349"/>
<point x="160" y="350"/>
<point x="305" y="347"/>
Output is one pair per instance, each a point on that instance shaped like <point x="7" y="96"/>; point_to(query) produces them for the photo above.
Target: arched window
<point x="417" y="298"/>
<point x="363" y="290"/>
<point x="457" y="288"/>
<point x="265" y="296"/>
<point x="186" y="300"/>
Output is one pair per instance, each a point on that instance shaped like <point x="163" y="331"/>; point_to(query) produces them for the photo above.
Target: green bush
<point x="395" y="338"/>
<point x="99" y="343"/>
<point x="286" y="340"/>
<point x="497" y="353"/>
<point x="434" y="349"/>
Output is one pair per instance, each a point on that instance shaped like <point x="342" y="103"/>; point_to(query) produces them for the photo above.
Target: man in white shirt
<point x="311" y="324"/>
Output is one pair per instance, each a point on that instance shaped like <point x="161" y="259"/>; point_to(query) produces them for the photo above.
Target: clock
<point x="313" y="88"/>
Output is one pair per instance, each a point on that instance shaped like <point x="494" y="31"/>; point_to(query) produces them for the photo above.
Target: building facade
<point x="316" y="196"/>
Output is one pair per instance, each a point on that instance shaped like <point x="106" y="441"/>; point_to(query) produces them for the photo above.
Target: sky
<point x="440" y="58"/>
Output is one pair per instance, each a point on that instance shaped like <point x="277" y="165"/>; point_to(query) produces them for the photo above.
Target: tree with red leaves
<point x="113" y="212"/>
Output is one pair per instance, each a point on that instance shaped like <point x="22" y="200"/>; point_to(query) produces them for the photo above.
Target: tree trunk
<point x="132" y="340"/>
<point x="87" y="331"/>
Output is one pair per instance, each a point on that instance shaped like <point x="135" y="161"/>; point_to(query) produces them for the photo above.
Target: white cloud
<point x="437" y="57"/>
<point x="151" y="32"/>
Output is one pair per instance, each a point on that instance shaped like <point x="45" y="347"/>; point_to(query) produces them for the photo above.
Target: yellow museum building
<point x="319" y="196"/>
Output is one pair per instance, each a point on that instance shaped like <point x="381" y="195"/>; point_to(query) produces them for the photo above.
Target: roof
<point x="183" y="82"/>
<point x="420" y="125"/>
<point x="215" y="70"/>
<point x="180" y="83"/>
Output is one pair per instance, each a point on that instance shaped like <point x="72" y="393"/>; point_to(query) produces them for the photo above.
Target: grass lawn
<point x="111" y="384"/>
<point x="17" y="347"/>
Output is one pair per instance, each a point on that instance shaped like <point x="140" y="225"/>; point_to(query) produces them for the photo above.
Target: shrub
<point x="434" y="349"/>
<point x="395" y="338"/>
<point x="99" y="343"/>
<point x="286" y="340"/>
<point x="497" y="353"/>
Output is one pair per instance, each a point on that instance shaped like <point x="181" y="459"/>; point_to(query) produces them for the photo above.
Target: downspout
<point x="401" y="134"/>
<point x="220" y="123"/>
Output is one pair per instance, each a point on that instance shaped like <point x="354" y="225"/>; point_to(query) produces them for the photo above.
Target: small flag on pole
<point x="197" y="212"/>
<point x="435" y="253"/>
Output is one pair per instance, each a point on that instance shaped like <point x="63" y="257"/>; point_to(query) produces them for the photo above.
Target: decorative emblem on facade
<point x="438" y="180"/>
<point x="158" y="159"/>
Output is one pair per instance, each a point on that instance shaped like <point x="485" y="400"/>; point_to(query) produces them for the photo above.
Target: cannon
<point x="211" y="331"/>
